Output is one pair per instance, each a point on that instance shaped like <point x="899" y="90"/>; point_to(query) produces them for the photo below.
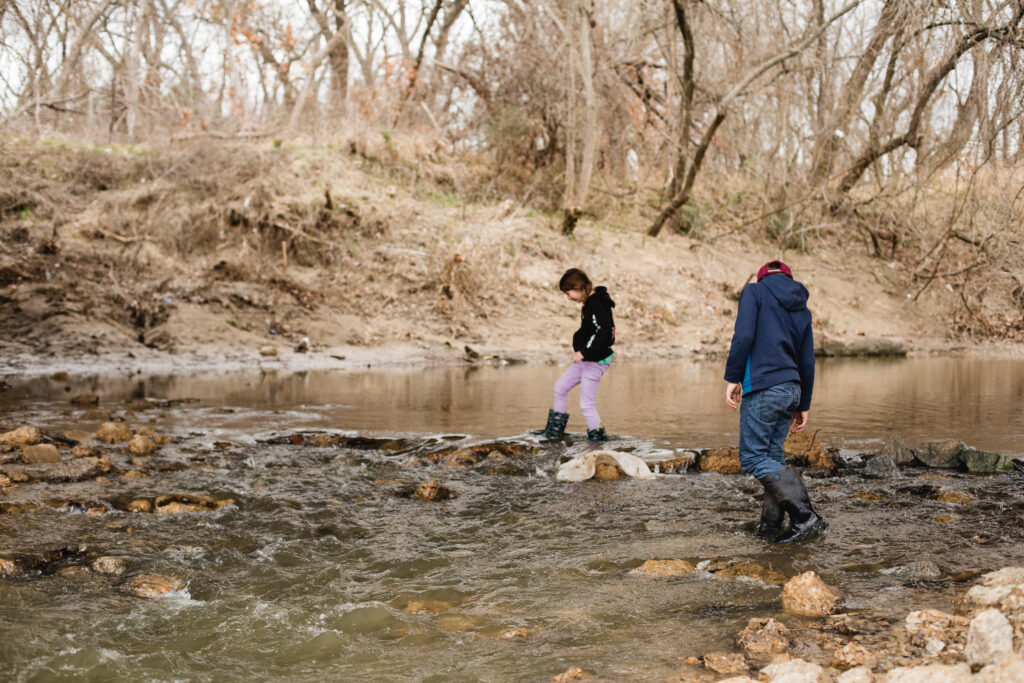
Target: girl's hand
<point x="577" y="357"/>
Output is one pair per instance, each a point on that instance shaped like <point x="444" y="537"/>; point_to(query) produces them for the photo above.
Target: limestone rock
<point x="931" y="673"/>
<point x="268" y="351"/>
<point x="983" y="462"/>
<point x="807" y="594"/>
<point x="989" y="639"/>
<point x="793" y="671"/>
<point x="943" y="454"/>
<point x="26" y="435"/>
<point x="726" y="662"/>
<point x="109" y="565"/>
<point x="40" y="454"/>
<point x="114" y="432"/>
<point x="664" y="568"/>
<point x="152" y="585"/>
<point x="431" y="490"/>
<point x="1010" y="670"/>
<point x="853" y="655"/>
<point x="896" y="449"/>
<point x="725" y="460"/>
<point x="141" y="445"/>
<point x="926" y="626"/>
<point x="763" y="636"/>
<point x="860" y="674"/>
<point x="804" y="448"/>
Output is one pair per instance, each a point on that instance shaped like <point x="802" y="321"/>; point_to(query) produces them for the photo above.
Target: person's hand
<point x="733" y="394"/>
<point x="799" y="421"/>
<point x="577" y="357"/>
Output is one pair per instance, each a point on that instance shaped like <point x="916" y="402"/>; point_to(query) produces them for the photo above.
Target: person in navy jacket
<point x="770" y="376"/>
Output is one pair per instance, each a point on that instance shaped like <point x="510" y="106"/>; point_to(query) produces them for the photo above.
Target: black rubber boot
<point x="771" y="516"/>
<point x="597" y="434"/>
<point x="555" y="428"/>
<point x="788" y="489"/>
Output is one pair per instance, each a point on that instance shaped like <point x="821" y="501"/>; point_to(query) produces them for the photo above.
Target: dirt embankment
<point x="206" y="254"/>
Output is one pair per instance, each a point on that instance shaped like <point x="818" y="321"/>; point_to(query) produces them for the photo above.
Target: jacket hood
<point x="790" y="293"/>
<point x="601" y="294"/>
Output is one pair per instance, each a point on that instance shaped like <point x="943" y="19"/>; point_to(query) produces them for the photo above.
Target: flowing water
<point x="323" y="570"/>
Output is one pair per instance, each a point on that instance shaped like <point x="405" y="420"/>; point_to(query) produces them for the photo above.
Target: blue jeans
<point x="764" y="424"/>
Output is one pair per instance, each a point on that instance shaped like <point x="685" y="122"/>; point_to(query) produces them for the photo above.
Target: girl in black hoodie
<point x="592" y="354"/>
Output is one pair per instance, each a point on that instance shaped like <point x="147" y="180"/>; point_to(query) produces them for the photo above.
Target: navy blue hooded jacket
<point x="772" y="342"/>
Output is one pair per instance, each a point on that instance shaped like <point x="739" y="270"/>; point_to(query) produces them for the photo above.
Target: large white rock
<point x="1010" y="670"/>
<point x="989" y="638"/>
<point x="793" y="671"/>
<point x="859" y="674"/>
<point x="932" y="673"/>
<point x="583" y="467"/>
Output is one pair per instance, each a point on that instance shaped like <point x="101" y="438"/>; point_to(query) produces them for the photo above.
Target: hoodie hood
<point x="790" y="293"/>
<point x="600" y="293"/>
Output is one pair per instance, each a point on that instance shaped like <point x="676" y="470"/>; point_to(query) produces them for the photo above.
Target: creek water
<point x="321" y="570"/>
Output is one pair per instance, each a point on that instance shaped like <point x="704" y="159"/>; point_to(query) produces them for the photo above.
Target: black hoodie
<point x="596" y="335"/>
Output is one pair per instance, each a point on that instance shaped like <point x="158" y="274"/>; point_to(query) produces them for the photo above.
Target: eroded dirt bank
<point x="219" y="256"/>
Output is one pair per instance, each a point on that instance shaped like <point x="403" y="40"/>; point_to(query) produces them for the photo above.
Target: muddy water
<point x="322" y="570"/>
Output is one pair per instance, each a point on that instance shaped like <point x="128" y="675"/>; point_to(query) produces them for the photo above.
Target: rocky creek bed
<point x="133" y="551"/>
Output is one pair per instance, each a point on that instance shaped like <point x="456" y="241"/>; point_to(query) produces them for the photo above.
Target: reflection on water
<point x="856" y="402"/>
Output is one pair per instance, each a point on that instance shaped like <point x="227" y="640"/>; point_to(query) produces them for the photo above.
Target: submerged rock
<point x="108" y="564"/>
<point x="726" y="662"/>
<point x="983" y="462"/>
<point x="752" y="570"/>
<point x="940" y="454"/>
<point x="78" y="469"/>
<point x="8" y="566"/>
<point x="431" y="490"/>
<point x="40" y="454"/>
<point x="763" y="636"/>
<point x="573" y="674"/>
<point x="152" y="585"/>
<point x="807" y="594"/>
<point x="664" y="568"/>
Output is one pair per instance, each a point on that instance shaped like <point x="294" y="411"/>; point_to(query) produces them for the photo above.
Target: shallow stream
<point x="322" y="570"/>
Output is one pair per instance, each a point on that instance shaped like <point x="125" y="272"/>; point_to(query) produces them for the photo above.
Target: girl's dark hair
<point x="575" y="278"/>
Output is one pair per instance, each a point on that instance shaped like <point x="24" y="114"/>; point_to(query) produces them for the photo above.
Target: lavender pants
<point x="588" y="375"/>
